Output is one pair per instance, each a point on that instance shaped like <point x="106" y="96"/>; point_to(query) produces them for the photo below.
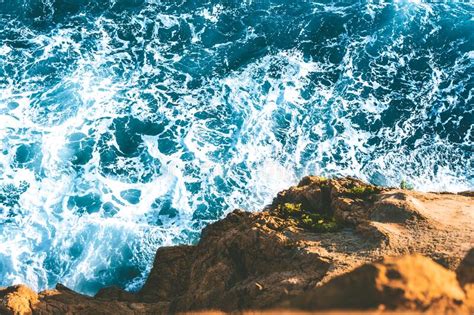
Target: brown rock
<point x="173" y="262"/>
<point x="18" y="300"/>
<point x="115" y="294"/>
<point x="411" y="282"/>
<point x="238" y="265"/>
<point x="65" y="301"/>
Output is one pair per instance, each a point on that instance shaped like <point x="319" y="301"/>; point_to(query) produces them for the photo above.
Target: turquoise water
<point x="130" y="124"/>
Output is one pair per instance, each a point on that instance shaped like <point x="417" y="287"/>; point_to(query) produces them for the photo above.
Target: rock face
<point x="320" y="245"/>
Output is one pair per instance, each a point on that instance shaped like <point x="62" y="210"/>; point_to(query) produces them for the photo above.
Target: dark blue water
<point x="130" y="124"/>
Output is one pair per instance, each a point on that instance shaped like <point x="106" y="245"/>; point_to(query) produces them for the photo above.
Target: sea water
<point x="126" y="125"/>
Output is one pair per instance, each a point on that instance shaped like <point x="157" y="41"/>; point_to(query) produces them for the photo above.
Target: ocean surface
<point x="126" y="125"/>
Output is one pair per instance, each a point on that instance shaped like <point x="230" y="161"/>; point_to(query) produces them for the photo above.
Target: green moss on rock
<point x="290" y="209"/>
<point x="363" y="191"/>
<point x="319" y="223"/>
<point x="311" y="219"/>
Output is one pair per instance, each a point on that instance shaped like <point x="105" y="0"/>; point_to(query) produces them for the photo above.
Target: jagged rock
<point x="18" y="300"/>
<point x="260" y="260"/>
<point x="240" y="263"/>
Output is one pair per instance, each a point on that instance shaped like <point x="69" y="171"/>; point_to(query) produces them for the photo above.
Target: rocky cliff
<point x="324" y="244"/>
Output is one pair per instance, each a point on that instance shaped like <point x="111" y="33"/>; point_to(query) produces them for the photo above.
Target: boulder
<point x="408" y="283"/>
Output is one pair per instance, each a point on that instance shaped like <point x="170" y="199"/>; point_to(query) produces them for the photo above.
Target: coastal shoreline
<point x="324" y="245"/>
